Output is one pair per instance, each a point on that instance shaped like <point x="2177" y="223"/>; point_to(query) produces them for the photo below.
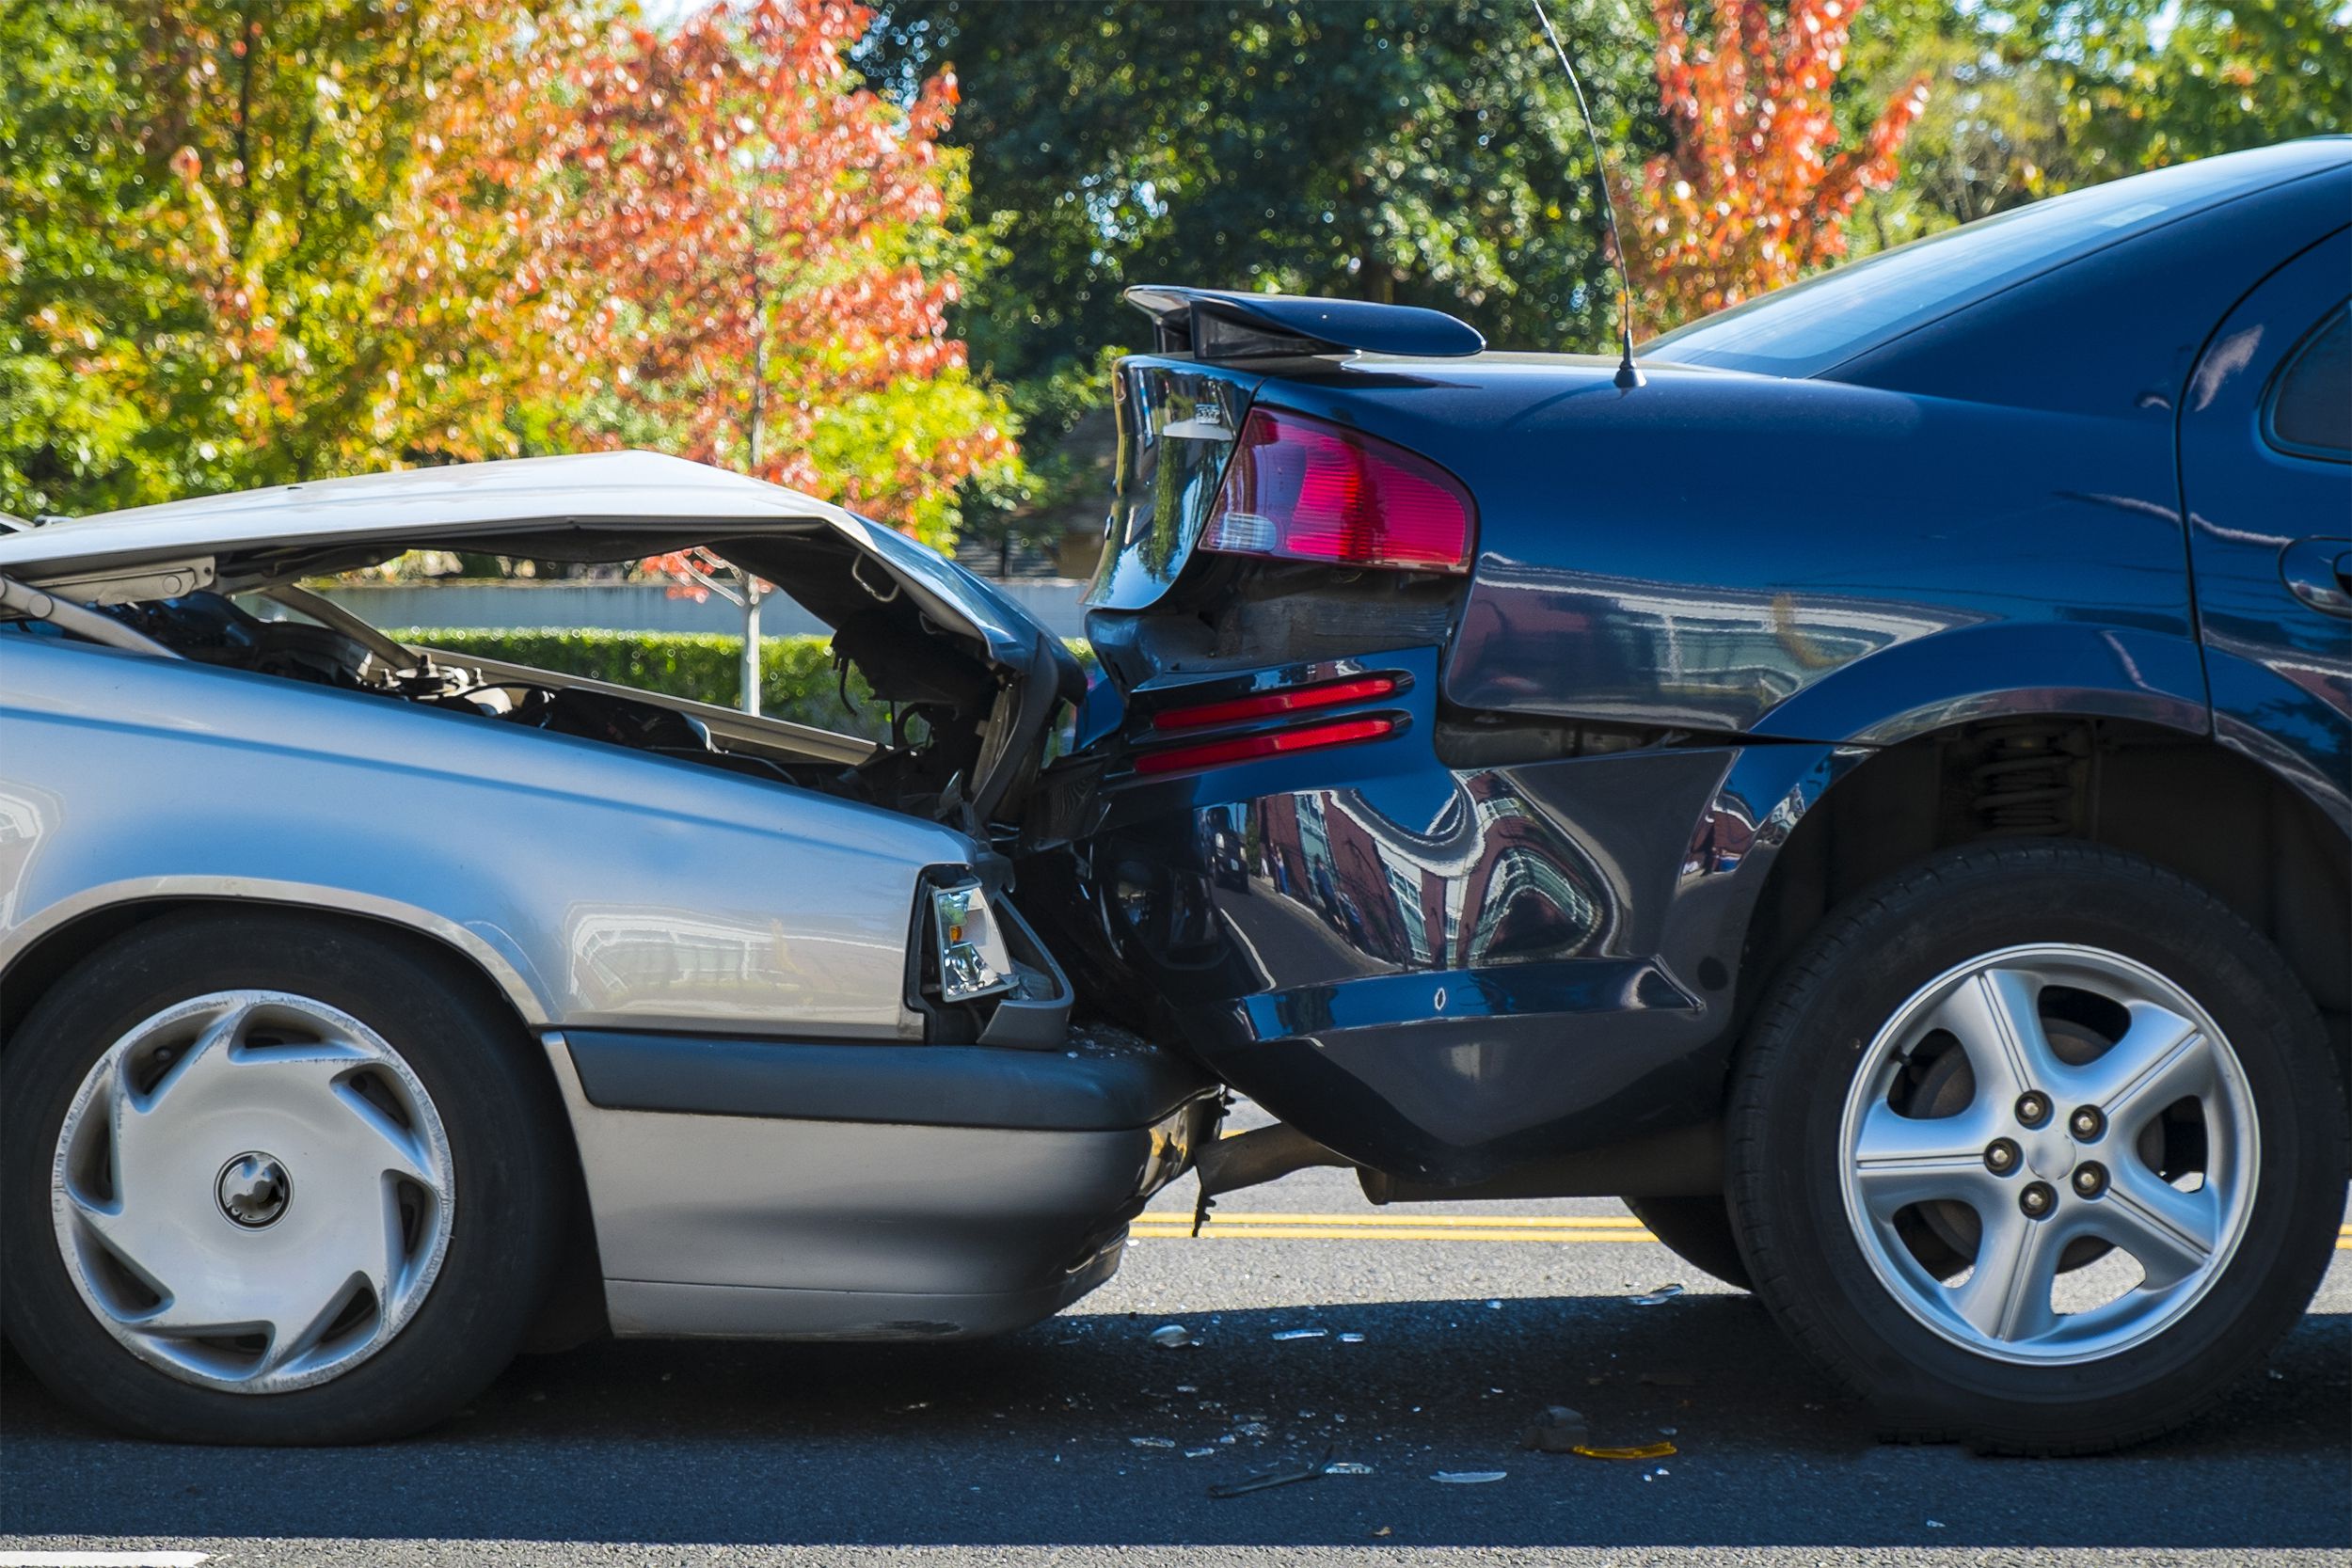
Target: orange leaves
<point x="739" y="246"/>
<point x="1755" y="191"/>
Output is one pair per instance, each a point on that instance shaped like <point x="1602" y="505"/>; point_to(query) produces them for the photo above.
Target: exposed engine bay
<point x="939" y="702"/>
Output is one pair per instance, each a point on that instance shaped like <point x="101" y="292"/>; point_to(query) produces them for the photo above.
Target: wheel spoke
<point x="1993" y="1015"/>
<point x="391" y="1148"/>
<point x="1900" y="1159"/>
<point x="205" y="1057"/>
<point x="178" y="1318"/>
<point x="2162" y="1058"/>
<point x="2170" y="1232"/>
<point x="122" y="1237"/>
<point x="2007" y="1297"/>
<point x="290" y="1339"/>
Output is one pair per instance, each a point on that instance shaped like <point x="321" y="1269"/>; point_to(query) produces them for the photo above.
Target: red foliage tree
<point x="1755" y="191"/>
<point x="768" y="239"/>
<point x="716" y="241"/>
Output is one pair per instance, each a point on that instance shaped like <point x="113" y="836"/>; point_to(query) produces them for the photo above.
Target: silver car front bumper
<point x="774" y="1190"/>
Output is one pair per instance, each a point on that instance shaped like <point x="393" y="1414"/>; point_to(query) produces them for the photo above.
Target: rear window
<point x="1824" y="321"/>
<point x="2311" y="409"/>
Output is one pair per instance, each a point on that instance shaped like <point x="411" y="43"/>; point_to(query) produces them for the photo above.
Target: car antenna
<point x="1628" y="374"/>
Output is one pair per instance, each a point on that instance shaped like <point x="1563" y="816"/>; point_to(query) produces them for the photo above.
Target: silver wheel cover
<point x="252" y="1192"/>
<point x="2179" y="1237"/>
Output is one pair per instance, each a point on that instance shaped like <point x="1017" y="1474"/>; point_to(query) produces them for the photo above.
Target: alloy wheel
<point x="2039" y="1114"/>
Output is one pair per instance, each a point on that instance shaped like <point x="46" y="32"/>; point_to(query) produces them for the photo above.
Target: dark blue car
<point x="1874" y="795"/>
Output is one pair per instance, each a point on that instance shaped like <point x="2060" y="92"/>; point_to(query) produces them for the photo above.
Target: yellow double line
<point x="1397" y="1228"/>
<point x="1423" y="1228"/>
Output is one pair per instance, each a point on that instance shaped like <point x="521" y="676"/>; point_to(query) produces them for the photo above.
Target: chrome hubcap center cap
<point x="2049" y="1155"/>
<point x="253" y="1190"/>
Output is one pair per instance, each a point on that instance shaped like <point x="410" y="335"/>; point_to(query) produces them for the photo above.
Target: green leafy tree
<point x="1425" y="151"/>
<point x="66" y="176"/>
<point x="2153" y="83"/>
<point x="2035" y="97"/>
<point x="195" y="197"/>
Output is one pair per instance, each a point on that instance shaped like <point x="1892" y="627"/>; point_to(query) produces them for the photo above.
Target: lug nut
<point x="2037" y="1199"/>
<point x="2086" y="1122"/>
<point x="2033" y="1108"/>
<point x="2000" y="1157"/>
<point x="2091" y="1178"/>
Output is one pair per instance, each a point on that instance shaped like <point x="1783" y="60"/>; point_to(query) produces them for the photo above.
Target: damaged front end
<point x="973" y="684"/>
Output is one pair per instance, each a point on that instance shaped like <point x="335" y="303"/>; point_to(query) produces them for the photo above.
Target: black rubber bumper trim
<point x="918" y="1085"/>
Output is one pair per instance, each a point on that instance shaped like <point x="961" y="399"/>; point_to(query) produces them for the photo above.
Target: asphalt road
<point x="1083" y="1441"/>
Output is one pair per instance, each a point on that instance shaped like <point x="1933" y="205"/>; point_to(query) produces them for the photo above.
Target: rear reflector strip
<point x="1269" y="703"/>
<point x="1249" y="747"/>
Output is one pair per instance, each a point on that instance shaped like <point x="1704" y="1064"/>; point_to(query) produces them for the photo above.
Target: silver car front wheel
<point x="268" y="1177"/>
<point x="252" y="1191"/>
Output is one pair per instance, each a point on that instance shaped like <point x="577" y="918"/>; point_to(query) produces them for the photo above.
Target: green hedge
<point x="797" y="677"/>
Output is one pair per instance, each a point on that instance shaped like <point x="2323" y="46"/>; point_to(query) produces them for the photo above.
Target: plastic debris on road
<point x="1300" y="1332"/>
<point x="1653" y="1298"/>
<point x="1351" y="1338"/>
<point x="1266" y="1479"/>
<point x="1172" y="1336"/>
<point x="1644" y="1450"/>
<point x="1468" y="1477"/>
<point x="1554" y="1429"/>
<point x="1346" y="1468"/>
<point x="1153" y="1442"/>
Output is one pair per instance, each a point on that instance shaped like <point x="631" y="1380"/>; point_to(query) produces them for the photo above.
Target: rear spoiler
<point x="1224" y="323"/>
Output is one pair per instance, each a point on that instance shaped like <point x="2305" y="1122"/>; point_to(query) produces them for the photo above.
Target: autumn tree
<point x="243" y="244"/>
<point x="1753" y="190"/>
<point x="722" y="244"/>
<point x="198" y="233"/>
<point x="760" y="247"/>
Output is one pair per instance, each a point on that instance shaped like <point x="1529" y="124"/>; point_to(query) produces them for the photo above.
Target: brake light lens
<point x="1299" y="489"/>
<point x="1268" y="704"/>
<point x="1216" y="753"/>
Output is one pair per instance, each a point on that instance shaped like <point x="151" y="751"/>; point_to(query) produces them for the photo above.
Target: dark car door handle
<point x="2319" y="573"/>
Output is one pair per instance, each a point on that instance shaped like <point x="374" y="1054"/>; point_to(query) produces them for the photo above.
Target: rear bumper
<point x="1456" y="1075"/>
<point x="782" y="1190"/>
<point x="1441" y="973"/>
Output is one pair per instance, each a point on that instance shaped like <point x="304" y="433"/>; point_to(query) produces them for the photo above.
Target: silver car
<point x="371" y="1012"/>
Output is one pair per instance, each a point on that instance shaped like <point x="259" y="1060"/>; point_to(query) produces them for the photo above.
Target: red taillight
<point x="1267" y="704"/>
<point x="1299" y="489"/>
<point x="1214" y="753"/>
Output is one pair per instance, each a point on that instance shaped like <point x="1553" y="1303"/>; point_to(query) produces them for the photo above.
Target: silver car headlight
<point x="973" y="961"/>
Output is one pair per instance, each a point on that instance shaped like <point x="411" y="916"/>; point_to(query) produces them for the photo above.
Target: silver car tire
<point x="2036" y="1147"/>
<point x="275" y="1179"/>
